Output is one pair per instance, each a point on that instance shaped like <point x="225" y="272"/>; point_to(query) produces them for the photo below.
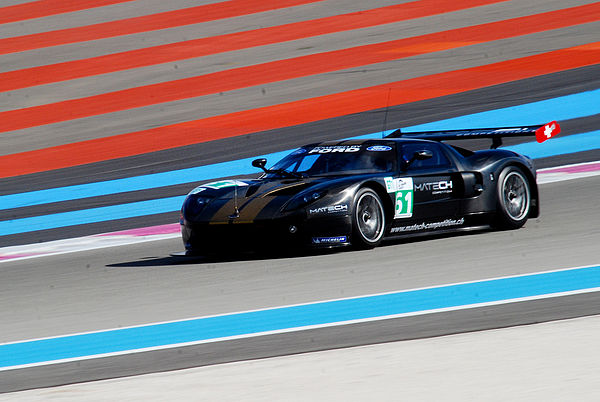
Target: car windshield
<point x="322" y="160"/>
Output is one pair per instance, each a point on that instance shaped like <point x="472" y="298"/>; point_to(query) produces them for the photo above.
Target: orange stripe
<point x="168" y="19"/>
<point x="300" y="112"/>
<point x="45" y="8"/>
<point x="229" y="80"/>
<point x="224" y="43"/>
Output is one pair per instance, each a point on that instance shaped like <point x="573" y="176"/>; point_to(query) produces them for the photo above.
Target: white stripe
<point x="546" y="175"/>
<point x="77" y="244"/>
<point x="563" y="176"/>
<point x="304" y="328"/>
<point x="311" y="303"/>
<point x="544" y="170"/>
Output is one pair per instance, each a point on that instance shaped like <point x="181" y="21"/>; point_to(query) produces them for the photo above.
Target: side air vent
<point x="288" y="191"/>
<point x="252" y="189"/>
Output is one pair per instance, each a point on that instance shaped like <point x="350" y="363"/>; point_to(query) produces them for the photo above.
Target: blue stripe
<point x="145" y="182"/>
<point x="561" y="108"/>
<point x="93" y="215"/>
<point x="560" y="145"/>
<point x="285" y="318"/>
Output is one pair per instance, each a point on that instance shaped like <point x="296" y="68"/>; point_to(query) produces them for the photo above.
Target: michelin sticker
<point x="404" y="195"/>
<point x="215" y="185"/>
<point x="328" y="240"/>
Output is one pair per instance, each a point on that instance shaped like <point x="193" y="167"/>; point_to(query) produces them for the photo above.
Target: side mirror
<point x="422" y="155"/>
<point x="419" y="156"/>
<point x="260" y="163"/>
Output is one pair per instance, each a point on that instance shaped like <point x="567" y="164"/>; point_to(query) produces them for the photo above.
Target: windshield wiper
<point x="287" y="173"/>
<point x="260" y="163"/>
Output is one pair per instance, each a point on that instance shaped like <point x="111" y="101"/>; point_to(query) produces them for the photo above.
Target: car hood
<point x="254" y="199"/>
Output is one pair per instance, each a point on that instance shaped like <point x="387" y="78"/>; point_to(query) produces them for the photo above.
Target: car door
<point x="435" y="184"/>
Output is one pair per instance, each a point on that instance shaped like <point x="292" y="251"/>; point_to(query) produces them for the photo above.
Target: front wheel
<point x="514" y="199"/>
<point x="368" y="219"/>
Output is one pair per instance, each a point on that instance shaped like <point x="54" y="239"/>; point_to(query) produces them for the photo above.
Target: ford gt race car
<point x="359" y="192"/>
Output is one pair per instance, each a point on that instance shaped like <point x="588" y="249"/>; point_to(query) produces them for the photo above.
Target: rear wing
<point x="541" y="132"/>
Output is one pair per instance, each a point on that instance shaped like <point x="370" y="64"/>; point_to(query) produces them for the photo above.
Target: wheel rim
<point x="369" y="217"/>
<point x="515" y="196"/>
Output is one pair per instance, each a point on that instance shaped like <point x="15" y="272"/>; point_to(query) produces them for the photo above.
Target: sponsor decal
<point x="379" y="148"/>
<point x="392" y="185"/>
<point x="389" y="184"/>
<point x="403" y="194"/>
<point x="299" y="151"/>
<point x="334" y="149"/>
<point x="330" y="209"/>
<point x="224" y="184"/>
<point x="437" y="187"/>
<point x="510" y="130"/>
<point x="428" y="225"/>
<point x="332" y="239"/>
<point x="197" y="190"/>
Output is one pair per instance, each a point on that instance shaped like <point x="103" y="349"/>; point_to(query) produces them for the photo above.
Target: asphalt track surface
<point x="139" y="284"/>
<point x="134" y="285"/>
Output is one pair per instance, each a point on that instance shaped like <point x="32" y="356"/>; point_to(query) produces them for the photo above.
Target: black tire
<point x="513" y="199"/>
<point x="368" y="219"/>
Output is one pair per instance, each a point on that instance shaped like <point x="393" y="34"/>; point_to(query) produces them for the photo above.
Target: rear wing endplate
<point x="541" y="132"/>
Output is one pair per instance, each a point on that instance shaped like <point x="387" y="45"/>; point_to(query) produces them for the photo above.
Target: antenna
<point x="387" y="106"/>
<point x="236" y="211"/>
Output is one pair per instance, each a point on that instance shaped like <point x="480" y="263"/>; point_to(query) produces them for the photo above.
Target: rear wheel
<point x="368" y="219"/>
<point x="514" y="199"/>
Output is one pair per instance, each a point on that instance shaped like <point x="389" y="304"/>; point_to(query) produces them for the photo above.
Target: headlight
<point x="202" y="201"/>
<point x="307" y="199"/>
<point x="304" y="200"/>
<point x="193" y="206"/>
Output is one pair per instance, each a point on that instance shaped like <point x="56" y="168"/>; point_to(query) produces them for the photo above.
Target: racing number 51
<point x="404" y="204"/>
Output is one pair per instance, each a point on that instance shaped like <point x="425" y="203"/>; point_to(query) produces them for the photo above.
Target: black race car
<point x="358" y="192"/>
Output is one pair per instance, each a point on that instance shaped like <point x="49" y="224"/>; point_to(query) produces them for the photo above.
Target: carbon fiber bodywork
<point x="302" y="205"/>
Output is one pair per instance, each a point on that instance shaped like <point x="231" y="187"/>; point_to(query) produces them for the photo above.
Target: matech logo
<point x="330" y="209"/>
<point x="436" y="187"/>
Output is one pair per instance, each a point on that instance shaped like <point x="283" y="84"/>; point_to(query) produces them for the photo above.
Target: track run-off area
<point x="112" y="110"/>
